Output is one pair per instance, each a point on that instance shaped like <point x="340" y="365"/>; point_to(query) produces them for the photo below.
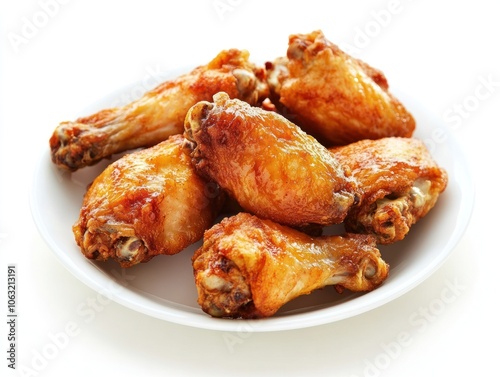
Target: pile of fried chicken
<point x="255" y="160"/>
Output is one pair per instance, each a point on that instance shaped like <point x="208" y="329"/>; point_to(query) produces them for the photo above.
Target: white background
<point x="440" y="52"/>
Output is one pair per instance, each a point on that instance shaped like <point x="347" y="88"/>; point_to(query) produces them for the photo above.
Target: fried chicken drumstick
<point x="399" y="183"/>
<point x="249" y="268"/>
<point x="336" y="98"/>
<point x="158" y="114"/>
<point x="271" y="167"/>
<point x="146" y="203"/>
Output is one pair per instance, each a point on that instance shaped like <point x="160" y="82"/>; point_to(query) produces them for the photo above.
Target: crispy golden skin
<point x="271" y="167"/>
<point x="399" y="183"/>
<point x="249" y="268"/>
<point x="336" y="98"/>
<point x="147" y="203"/>
<point x="158" y="114"/>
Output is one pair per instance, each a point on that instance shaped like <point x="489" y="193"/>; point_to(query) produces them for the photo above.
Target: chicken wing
<point x="146" y="203"/>
<point x="271" y="167"/>
<point x="399" y="184"/>
<point x="158" y="114"/>
<point x="336" y="98"/>
<point x="249" y="268"/>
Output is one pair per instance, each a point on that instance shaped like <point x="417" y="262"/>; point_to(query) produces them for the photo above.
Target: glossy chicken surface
<point x="336" y="98"/>
<point x="399" y="183"/>
<point x="249" y="268"/>
<point x="147" y="203"/>
<point x="271" y="167"/>
<point x="157" y="115"/>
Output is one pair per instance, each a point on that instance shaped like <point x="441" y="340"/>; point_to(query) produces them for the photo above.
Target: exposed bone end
<point x="196" y="122"/>
<point x="361" y="271"/>
<point x="394" y="215"/>
<point x="194" y="119"/>
<point x="102" y="244"/>
<point x="75" y="145"/>
<point x="392" y="220"/>
<point x="193" y="130"/>
<point x="370" y="271"/>
<point x="130" y="251"/>
<point x="373" y="270"/>
<point x="246" y="83"/>
<point x="222" y="289"/>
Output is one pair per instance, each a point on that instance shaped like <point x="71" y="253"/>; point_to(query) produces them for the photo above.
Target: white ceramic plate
<point x="164" y="288"/>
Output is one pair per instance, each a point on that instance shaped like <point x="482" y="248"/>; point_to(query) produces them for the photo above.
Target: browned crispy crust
<point x="147" y="203"/>
<point x="271" y="167"/>
<point x="158" y="114"/>
<point x="392" y="173"/>
<point x="333" y="96"/>
<point x="249" y="267"/>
